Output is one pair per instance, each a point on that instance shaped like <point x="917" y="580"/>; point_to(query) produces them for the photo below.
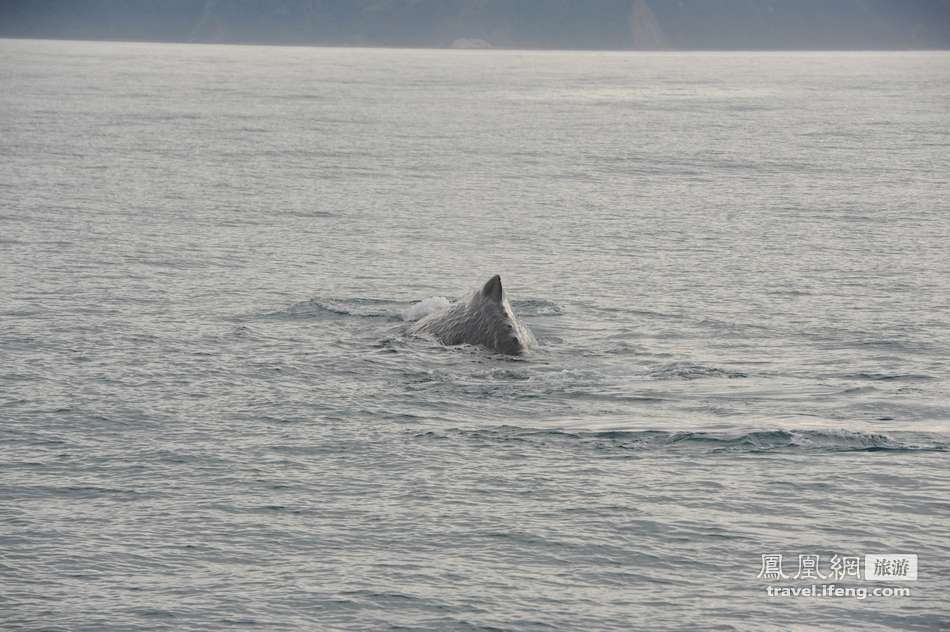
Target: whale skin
<point x="482" y="318"/>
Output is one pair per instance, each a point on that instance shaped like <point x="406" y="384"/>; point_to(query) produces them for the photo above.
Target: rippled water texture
<point x="213" y="415"/>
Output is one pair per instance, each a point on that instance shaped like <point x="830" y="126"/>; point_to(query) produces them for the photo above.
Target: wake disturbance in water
<point x="791" y="441"/>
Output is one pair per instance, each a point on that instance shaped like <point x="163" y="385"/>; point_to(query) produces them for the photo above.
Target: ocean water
<point x="212" y="415"/>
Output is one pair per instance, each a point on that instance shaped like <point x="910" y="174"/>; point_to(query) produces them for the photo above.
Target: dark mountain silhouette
<point x="593" y="24"/>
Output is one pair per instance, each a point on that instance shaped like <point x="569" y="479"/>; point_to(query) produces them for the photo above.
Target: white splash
<point x="425" y="307"/>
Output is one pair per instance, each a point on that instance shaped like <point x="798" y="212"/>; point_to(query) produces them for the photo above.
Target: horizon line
<point x="475" y="49"/>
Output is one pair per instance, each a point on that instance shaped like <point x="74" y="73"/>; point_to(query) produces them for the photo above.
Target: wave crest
<point x="737" y="441"/>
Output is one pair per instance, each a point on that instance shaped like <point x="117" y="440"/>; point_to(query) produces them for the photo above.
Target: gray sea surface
<point x="212" y="415"/>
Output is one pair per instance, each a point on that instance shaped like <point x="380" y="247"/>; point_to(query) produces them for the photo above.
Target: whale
<point x="483" y="318"/>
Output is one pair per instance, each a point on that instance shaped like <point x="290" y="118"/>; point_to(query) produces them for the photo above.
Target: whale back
<point x="483" y="318"/>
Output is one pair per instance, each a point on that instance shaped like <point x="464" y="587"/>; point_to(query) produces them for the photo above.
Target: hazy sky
<point x="597" y="24"/>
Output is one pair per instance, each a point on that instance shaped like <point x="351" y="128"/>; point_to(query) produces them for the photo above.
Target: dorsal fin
<point x="492" y="289"/>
